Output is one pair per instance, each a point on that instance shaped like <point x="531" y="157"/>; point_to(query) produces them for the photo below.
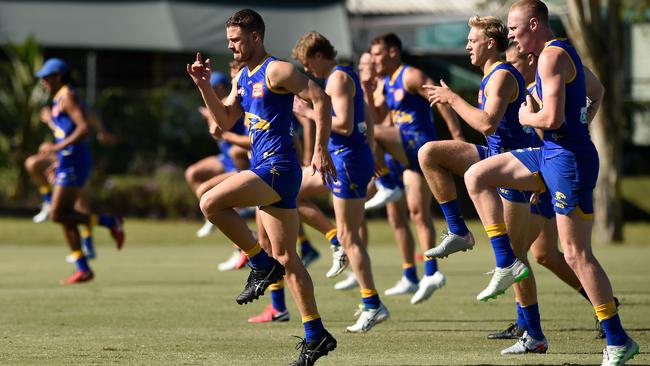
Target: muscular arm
<point x="225" y="114"/>
<point x="554" y="68"/>
<point x="340" y="88"/>
<point x="242" y="141"/>
<point x="70" y="105"/>
<point x="283" y="75"/>
<point x="414" y="79"/>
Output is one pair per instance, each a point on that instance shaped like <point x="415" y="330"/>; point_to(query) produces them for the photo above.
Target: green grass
<point x="162" y="301"/>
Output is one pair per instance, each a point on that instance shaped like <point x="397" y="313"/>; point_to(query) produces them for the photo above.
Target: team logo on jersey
<point x="559" y="199"/>
<point x="398" y="94"/>
<point x="258" y="90"/>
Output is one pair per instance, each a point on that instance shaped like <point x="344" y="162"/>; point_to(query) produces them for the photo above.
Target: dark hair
<point x="311" y="43"/>
<point x="248" y="20"/>
<point x="533" y="9"/>
<point x="388" y="40"/>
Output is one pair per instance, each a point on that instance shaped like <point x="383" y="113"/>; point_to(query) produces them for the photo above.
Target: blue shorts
<point x="284" y="177"/>
<point x="412" y="141"/>
<point x="73" y="170"/>
<point x="543" y="207"/>
<point x="570" y="177"/>
<point x="354" y="169"/>
<point x="228" y="164"/>
<point x="395" y="170"/>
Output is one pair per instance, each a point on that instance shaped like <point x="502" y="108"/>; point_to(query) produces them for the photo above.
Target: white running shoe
<point x="368" y="319"/>
<point x="617" y="355"/>
<point x="502" y="279"/>
<point x="230" y="263"/>
<point x="383" y="196"/>
<point x="451" y="243"/>
<point x="348" y="283"/>
<point x="402" y="287"/>
<point x="43" y="214"/>
<point x="526" y="344"/>
<point x="427" y="286"/>
<point x="339" y="261"/>
<point x="205" y="230"/>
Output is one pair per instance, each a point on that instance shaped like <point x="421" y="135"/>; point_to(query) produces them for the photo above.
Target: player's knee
<point x="472" y="178"/>
<point x="576" y="257"/>
<point x="190" y="174"/>
<point x="417" y="215"/>
<point x="426" y="155"/>
<point x="208" y="204"/>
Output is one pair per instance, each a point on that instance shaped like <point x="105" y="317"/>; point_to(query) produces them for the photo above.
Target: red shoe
<point x="117" y="232"/>
<point x="78" y="277"/>
<point x="243" y="259"/>
<point x="269" y="314"/>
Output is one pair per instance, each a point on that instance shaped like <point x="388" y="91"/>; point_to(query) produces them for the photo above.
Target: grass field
<point x="162" y="301"/>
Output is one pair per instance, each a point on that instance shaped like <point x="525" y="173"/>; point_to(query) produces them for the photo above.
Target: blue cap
<point x="218" y="78"/>
<point x="52" y="66"/>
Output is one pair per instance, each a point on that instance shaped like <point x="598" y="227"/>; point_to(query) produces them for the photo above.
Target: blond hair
<point x="493" y="28"/>
<point x="311" y="43"/>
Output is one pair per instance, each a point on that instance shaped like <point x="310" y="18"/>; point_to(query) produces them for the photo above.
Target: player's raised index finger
<point x="198" y="57"/>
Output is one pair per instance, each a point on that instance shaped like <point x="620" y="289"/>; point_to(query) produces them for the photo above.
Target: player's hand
<point x="106" y="138"/>
<point x="45" y="115"/>
<point x="216" y="131"/>
<point x="322" y="163"/>
<point x="205" y="113"/>
<point x="534" y="198"/>
<point x="200" y="72"/>
<point x="438" y="94"/>
<point x="526" y="109"/>
<point x="48" y="148"/>
<point x="368" y="83"/>
<point x="302" y="108"/>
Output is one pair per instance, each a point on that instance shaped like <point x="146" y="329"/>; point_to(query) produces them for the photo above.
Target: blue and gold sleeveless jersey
<point x="268" y="115"/>
<point x="357" y="138"/>
<point x="64" y="126"/>
<point x="410" y="112"/>
<point x="239" y="128"/>
<point x="509" y="134"/>
<point x="574" y="132"/>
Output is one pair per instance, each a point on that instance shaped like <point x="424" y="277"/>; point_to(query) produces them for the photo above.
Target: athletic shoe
<point x="231" y="263"/>
<point x="312" y="351"/>
<point x="117" y="232"/>
<point x="514" y="331"/>
<point x="205" y="230"/>
<point x="309" y="257"/>
<point x="269" y="314"/>
<point x="601" y="331"/>
<point x="428" y="285"/>
<point x="339" y="261"/>
<point x="368" y="319"/>
<point x="243" y="260"/>
<point x="383" y="196"/>
<point x="348" y="283"/>
<point x="402" y="287"/>
<point x="526" y="344"/>
<point x="259" y="280"/>
<point x="43" y="214"/>
<point x="78" y="277"/>
<point x="617" y="355"/>
<point x="451" y="243"/>
<point x="502" y="279"/>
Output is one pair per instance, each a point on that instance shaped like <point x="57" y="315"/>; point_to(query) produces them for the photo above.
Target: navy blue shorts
<point x="570" y="177"/>
<point x="284" y="177"/>
<point x="354" y="169"/>
<point x="412" y="141"/>
<point x="73" y="170"/>
<point x="228" y="164"/>
<point x="543" y="207"/>
<point x="395" y="170"/>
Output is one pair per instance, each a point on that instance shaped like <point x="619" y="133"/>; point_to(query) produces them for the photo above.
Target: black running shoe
<point x="259" y="280"/>
<point x="599" y="328"/>
<point x="312" y="351"/>
<point x="513" y="331"/>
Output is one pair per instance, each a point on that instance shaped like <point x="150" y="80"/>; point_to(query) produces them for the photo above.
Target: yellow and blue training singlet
<point x="574" y="132"/>
<point x="268" y="114"/>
